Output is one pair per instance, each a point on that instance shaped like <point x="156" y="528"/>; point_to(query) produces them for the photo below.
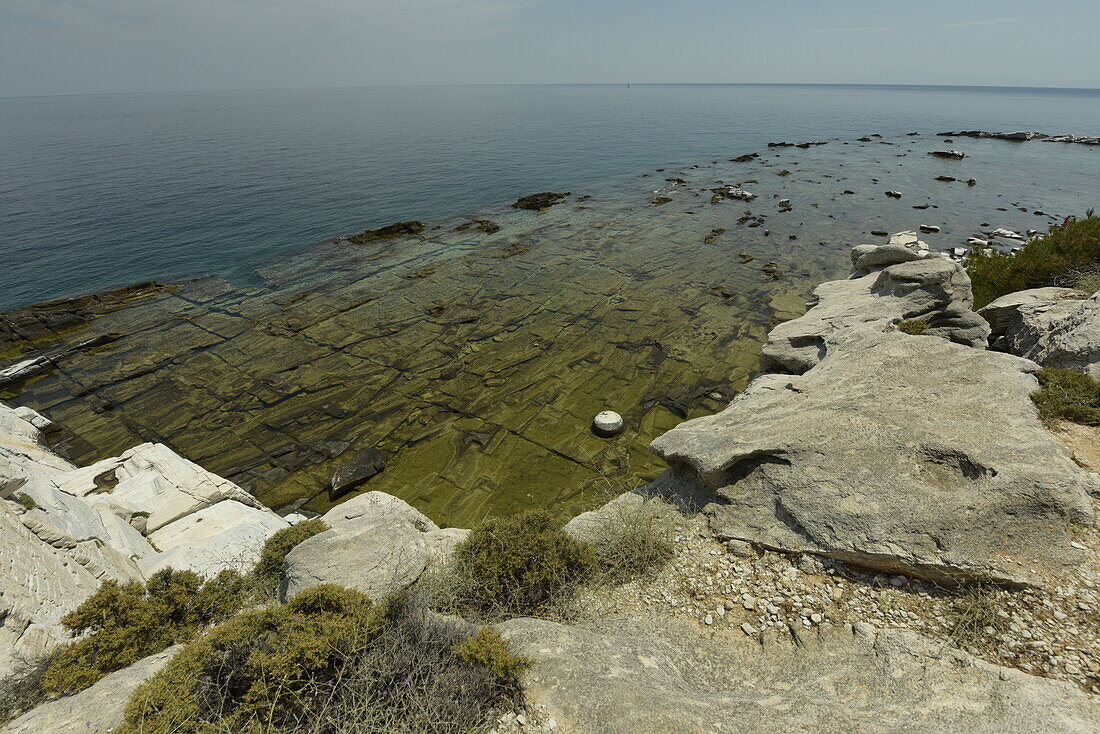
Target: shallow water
<point x="476" y="361"/>
<point x="106" y="190"/>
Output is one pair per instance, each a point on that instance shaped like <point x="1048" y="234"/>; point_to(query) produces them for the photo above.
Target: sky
<point x="94" y="46"/>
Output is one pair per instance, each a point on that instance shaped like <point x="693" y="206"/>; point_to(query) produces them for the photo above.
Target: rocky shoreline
<point x="830" y="511"/>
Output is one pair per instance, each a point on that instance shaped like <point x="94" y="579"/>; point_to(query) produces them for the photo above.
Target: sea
<point x="104" y="190"/>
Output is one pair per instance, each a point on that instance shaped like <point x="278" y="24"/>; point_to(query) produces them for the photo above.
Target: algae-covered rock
<point x="537" y="202"/>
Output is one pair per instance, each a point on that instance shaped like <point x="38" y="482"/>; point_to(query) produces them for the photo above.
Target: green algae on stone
<point x="480" y="377"/>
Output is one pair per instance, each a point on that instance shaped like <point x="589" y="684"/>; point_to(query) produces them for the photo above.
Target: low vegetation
<point x="635" y="539"/>
<point x="974" y="618"/>
<point x="124" y="623"/>
<point x="1068" y="256"/>
<point x="1067" y="395"/>
<point x="913" y="326"/>
<point x="268" y="573"/>
<point x="521" y="565"/>
<point x="330" y="662"/>
<point x="26" y="501"/>
<point x="23" y="690"/>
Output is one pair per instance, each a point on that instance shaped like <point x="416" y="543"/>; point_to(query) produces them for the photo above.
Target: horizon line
<point x="549" y="84"/>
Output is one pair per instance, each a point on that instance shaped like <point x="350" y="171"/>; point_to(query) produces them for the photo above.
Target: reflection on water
<point x="477" y="360"/>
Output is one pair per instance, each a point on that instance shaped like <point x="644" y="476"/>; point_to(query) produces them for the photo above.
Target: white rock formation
<point x="376" y="543"/>
<point x="892" y="282"/>
<point x="64" y="529"/>
<point x="885" y="449"/>
<point x="1056" y="327"/>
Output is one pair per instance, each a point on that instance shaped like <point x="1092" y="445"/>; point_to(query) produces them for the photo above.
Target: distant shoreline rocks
<point x="1022" y="137"/>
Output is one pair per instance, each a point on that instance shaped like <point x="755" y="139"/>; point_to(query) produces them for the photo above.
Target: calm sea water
<point x="97" y="191"/>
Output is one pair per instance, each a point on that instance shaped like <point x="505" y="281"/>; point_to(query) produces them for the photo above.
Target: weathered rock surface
<point x="39" y="584"/>
<point x="893" y="453"/>
<point x="892" y="282"/>
<point x="670" y="680"/>
<point x="96" y="710"/>
<point x="1056" y="327"/>
<point x="375" y="543"/>
<point x="228" y="535"/>
<point x="65" y="529"/>
<point x="153" y="478"/>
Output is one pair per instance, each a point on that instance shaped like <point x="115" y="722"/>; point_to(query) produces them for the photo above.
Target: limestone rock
<point x="375" y="543"/>
<point x="228" y="535"/>
<point x="587" y="526"/>
<point x="1056" y="327"/>
<point x="889" y="682"/>
<point x="95" y="710"/>
<point x="152" y="478"/>
<point x="891" y="453"/>
<point x="39" y="584"/>
<point x="935" y="290"/>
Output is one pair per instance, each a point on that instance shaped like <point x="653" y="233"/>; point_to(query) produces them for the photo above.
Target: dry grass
<point x="975" y="621"/>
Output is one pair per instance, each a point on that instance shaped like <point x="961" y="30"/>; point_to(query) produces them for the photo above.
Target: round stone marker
<point x="607" y="423"/>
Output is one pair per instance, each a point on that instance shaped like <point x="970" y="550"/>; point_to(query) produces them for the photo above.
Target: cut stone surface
<point x="891" y="453"/>
<point x="152" y="478"/>
<point x="95" y="710"/>
<point x="228" y="535"/>
<point x="889" y="682"/>
<point x="375" y="543"/>
<point x="39" y="584"/>
<point x="1056" y="327"/>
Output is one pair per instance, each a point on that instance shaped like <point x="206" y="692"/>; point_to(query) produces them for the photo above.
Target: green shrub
<point x="518" y="565"/>
<point x="420" y="675"/>
<point x="1067" y="395"/>
<point x="262" y="670"/>
<point x="489" y="650"/>
<point x="26" y="501"/>
<point x="268" y="573"/>
<point x="1058" y="258"/>
<point x="913" y="326"/>
<point x="127" y="622"/>
<point x="330" y="662"/>
<point x="22" y="690"/>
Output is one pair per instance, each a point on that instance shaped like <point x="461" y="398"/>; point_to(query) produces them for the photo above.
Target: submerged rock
<point x="951" y="154"/>
<point x="537" y="202"/>
<point x="486" y="226"/>
<point x="384" y="233"/>
<point x="353" y="473"/>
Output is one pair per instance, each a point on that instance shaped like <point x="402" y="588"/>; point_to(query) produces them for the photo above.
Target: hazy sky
<point x="66" y="46"/>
